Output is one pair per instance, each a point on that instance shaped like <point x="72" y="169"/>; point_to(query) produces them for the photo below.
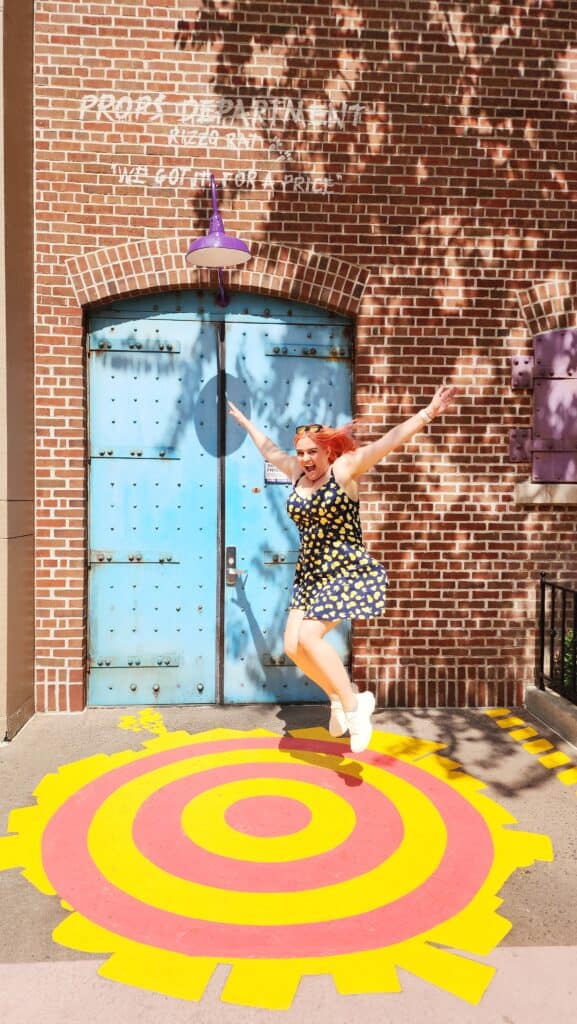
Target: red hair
<point x="335" y="440"/>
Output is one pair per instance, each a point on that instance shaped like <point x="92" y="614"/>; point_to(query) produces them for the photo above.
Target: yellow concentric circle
<point x="106" y="833"/>
<point x="111" y="844"/>
<point x="203" y="821"/>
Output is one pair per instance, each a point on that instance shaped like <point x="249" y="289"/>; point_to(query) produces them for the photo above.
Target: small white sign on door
<point x="272" y="475"/>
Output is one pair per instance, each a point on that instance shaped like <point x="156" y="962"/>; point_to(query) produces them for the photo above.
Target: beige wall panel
<point x="16" y="370"/>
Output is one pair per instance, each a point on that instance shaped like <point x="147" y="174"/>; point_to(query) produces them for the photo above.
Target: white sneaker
<point x="338" y="722"/>
<point x="359" y="722"/>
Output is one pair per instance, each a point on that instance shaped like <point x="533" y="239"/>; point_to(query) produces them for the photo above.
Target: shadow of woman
<point x="336" y="760"/>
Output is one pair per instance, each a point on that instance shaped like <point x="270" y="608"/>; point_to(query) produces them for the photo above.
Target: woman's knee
<point x="291" y="636"/>
<point x="291" y="645"/>
<point x="309" y="634"/>
<point x="292" y="631"/>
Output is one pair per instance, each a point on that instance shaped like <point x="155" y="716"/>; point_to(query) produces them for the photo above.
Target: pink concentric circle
<point x="268" y="816"/>
<point x="76" y="878"/>
<point x="377" y="834"/>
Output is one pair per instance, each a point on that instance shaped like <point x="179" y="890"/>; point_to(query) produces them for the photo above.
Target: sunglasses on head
<point x="309" y="428"/>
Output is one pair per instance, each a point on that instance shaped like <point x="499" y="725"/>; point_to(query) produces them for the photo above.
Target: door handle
<point x="232" y="573"/>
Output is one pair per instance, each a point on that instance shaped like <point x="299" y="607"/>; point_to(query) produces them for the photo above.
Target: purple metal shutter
<point x="555" y="407"/>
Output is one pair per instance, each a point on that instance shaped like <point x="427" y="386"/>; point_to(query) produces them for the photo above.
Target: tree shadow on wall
<point x="456" y="225"/>
<point x="438" y="64"/>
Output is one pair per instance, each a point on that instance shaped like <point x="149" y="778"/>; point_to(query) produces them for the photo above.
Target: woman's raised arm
<point x="368" y="455"/>
<point x="288" y="464"/>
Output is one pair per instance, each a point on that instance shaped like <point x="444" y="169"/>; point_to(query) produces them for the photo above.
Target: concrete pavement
<point x="527" y="772"/>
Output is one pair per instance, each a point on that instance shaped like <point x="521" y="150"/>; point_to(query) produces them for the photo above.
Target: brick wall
<point x="412" y="163"/>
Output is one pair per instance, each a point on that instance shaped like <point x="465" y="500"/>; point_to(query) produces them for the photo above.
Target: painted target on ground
<point x="281" y="854"/>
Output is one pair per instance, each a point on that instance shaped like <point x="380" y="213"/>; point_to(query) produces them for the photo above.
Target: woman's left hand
<point x="443" y="399"/>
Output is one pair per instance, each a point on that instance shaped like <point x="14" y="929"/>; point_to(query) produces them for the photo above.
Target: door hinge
<point x="522" y="371"/>
<point x="521" y="444"/>
<point x="135" y="661"/>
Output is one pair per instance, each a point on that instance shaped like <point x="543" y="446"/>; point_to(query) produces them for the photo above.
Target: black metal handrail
<point x="558" y="638"/>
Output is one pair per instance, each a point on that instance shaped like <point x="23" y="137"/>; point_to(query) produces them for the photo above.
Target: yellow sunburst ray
<point x="443" y="768"/>
<point x="407" y="748"/>
<point x="477" y="929"/>
<point x="462" y="977"/>
<point x="363" y="973"/>
<point x="524" y="848"/>
<point x="77" y="932"/>
<point x="54" y="789"/>
<point x="12" y="853"/>
<point x="23" y="849"/>
<point x="269" y="984"/>
<point x="156" y="970"/>
<point x="152" y="720"/>
<point x="134" y="963"/>
<point x="27" y="820"/>
<point x="514" y="850"/>
<point x="465" y="784"/>
<point x="495" y="815"/>
<point x="129" y="723"/>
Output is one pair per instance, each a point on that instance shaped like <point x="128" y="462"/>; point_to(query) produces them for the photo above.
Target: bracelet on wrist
<point x="426" y="416"/>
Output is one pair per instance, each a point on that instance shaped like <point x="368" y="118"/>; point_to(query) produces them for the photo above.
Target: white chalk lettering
<point x="260" y="107"/>
<point x="173" y="176"/>
<point x="200" y="179"/>
<point x="356" y="109"/>
<point x="240" y="179"/>
<point x="194" y="137"/>
<point x="248" y="179"/>
<point x="110" y="107"/>
<point x="277" y="150"/>
<point x="258" y="112"/>
<point x="241" y="141"/>
<point x="288" y="112"/>
<point x="136" y="175"/>
<point x="211" y="137"/>
<point x="87" y="103"/>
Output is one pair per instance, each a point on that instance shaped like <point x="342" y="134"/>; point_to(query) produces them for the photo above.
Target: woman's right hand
<point x="236" y="414"/>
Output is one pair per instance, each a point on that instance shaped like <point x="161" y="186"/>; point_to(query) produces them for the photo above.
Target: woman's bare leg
<point x="297" y="653"/>
<point x="305" y="645"/>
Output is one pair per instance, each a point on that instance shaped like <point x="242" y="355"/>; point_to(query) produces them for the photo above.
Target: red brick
<point x="448" y="238"/>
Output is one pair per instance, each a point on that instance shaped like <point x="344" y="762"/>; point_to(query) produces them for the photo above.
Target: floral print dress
<point x="335" y="576"/>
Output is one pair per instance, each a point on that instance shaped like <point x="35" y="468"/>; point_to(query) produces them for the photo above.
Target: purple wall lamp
<point x="217" y="249"/>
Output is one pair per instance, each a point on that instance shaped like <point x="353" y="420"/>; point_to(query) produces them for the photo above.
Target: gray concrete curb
<point x="554" y="711"/>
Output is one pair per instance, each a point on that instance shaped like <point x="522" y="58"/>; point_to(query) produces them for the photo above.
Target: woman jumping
<point x="335" y="577"/>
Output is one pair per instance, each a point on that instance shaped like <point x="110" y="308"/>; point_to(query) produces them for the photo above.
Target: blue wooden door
<point x="288" y="366"/>
<point x="177" y="492"/>
<point x="152" y="509"/>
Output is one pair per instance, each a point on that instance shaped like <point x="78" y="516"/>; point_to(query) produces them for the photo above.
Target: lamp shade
<point x="217" y="249"/>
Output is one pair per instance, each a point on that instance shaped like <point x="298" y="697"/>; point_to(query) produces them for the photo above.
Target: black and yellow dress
<point x="335" y="576"/>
